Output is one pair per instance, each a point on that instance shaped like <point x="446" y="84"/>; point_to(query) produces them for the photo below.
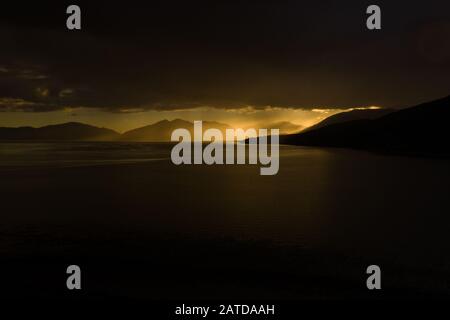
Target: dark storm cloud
<point x="182" y="54"/>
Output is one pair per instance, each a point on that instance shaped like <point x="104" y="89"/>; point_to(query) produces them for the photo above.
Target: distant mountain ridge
<point x="70" y="131"/>
<point x="75" y="131"/>
<point x="285" y="127"/>
<point x="162" y="130"/>
<point x="422" y="129"/>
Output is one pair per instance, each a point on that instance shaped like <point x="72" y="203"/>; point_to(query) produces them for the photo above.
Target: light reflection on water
<point x="346" y="200"/>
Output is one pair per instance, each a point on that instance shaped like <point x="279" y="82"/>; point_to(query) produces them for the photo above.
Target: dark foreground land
<point x="419" y="131"/>
<point x="146" y="229"/>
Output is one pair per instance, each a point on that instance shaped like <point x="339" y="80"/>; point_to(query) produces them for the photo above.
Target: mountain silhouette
<point x="285" y="127"/>
<point x="417" y="130"/>
<point x="161" y="131"/>
<point x="365" y="114"/>
<point x="70" y="131"/>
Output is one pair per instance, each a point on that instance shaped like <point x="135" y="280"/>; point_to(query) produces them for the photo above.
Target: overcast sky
<point x="134" y="55"/>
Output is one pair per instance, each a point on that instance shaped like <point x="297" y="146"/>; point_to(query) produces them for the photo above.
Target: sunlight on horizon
<point x="290" y="119"/>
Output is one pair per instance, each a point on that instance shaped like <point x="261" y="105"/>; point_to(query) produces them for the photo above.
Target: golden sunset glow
<point x="292" y="118"/>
